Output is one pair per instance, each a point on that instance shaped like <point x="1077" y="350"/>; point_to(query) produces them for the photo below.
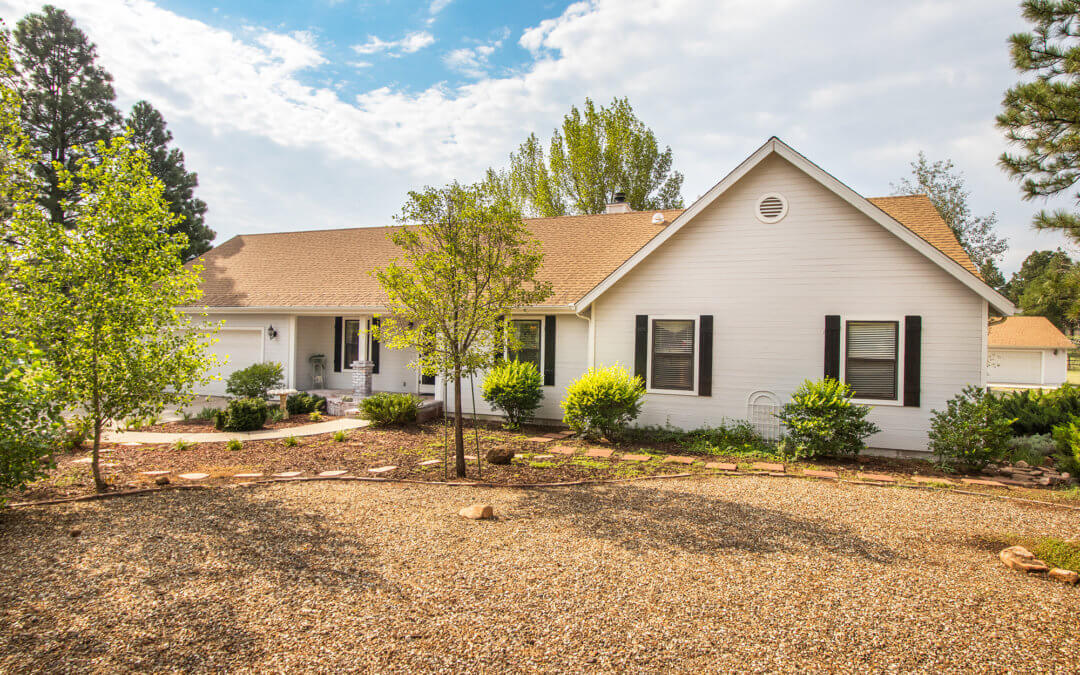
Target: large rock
<point x="500" y="455"/>
<point x="1068" y="576"/>
<point x="1019" y="558"/>
<point x="477" y="512"/>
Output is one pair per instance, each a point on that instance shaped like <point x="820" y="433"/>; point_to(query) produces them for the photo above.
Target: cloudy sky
<point x="323" y="113"/>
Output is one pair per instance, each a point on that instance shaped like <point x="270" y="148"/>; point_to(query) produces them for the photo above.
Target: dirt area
<point x="704" y="574"/>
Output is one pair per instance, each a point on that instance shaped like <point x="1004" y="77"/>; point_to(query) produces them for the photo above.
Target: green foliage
<point x="1038" y="412"/>
<point x="516" y="389"/>
<point x="254" y="381"/>
<point x="735" y="438"/>
<point x="315" y="416"/>
<point x="595" y="154"/>
<point x="276" y="415"/>
<point x="1067" y="436"/>
<point x="290" y="441"/>
<point x="29" y="419"/>
<point x="1031" y="449"/>
<point x="304" y="403"/>
<point x="207" y="413"/>
<point x="602" y="402"/>
<point x="1034" y="266"/>
<point x="233" y="444"/>
<point x="972" y="431"/>
<point x="245" y="414"/>
<point x="340" y="436"/>
<point x="822" y="421"/>
<point x="180" y="445"/>
<point x="389" y="409"/>
<point x="1041" y="114"/>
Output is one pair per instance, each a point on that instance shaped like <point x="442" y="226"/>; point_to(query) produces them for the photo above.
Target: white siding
<point x="769" y="288"/>
<point x="1031" y="367"/>
<point x="276" y="349"/>
<point x="315" y="335"/>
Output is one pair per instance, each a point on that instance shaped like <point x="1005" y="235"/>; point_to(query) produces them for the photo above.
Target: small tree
<point x="100" y="293"/>
<point x="468" y="260"/>
<point x="516" y="388"/>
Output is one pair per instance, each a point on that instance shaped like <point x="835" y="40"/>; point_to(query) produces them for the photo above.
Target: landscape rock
<point x="500" y="455"/>
<point x="1068" y="576"/>
<point x="1021" y="464"/>
<point x="477" y="512"/>
<point x="162" y="480"/>
<point x="1023" y="560"/>
<point x="76" y="532"/>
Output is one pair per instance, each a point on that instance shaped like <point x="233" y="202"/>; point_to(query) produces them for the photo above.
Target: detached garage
<point x="1027" y="352"/>
<point x="236" y="349"/>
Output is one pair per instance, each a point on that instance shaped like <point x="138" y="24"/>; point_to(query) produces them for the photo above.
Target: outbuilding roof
<point x="1028" y="331"/>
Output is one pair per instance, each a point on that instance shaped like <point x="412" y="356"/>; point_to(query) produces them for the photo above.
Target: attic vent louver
<point x="771" y="208"/>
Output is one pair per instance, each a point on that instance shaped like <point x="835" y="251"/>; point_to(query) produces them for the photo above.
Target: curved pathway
<point x="314" y="429"/>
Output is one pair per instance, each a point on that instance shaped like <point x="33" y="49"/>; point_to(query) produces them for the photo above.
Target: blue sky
<point x="302" y="115"/>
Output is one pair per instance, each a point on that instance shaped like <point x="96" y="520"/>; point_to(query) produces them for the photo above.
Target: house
<point x="1027" y="352"/>
<point x="778" y="274"/>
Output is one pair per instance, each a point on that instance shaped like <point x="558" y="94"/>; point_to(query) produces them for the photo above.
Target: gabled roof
<point x="917" y="213"/>
<point x="1028" y="331"/>
<point x="955" y="266"/>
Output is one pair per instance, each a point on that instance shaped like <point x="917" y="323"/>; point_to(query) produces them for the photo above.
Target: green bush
<point x="602" y="402"/>
<point x="971" y="432"/>
<point x="1038" y="412"/>
<point x="315" y="416"/>
<point x="245" y="414"/>
<point x="516" y="389"/>
<point x="304" y="403"/>
<point x="291" y="442"/>
<point x="180" y="445"/>
<point x="1031" y="449"/>
<point x="1067" y="437"/>
<point x="233" y="444"/>
<point x="340" y="436"/>
<point x="276" y="415"/>
<point x="30" y="423"/>
<point x="737" y="438"/>
<point x="821" y="421"/>
<point x="207" y="413"/>
<point x="386" y="409"/>
<point x="254" y="381"/>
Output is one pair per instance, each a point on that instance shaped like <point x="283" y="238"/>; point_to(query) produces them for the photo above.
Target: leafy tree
<point x="100" y="294"/>
<point x="1034" y="266"/>
<point x="1054" y="294"/>
<point x="467" y="261"/>
<point x="945" y="187"/>
<point x="595" y="154"/>
<point x="146" y="127"/>
<point x="67" y="100"/>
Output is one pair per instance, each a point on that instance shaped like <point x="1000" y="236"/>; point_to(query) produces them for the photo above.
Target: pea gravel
<point x="721" y="574"/>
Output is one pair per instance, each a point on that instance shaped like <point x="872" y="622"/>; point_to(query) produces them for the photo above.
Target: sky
<point x="325" y="113"/>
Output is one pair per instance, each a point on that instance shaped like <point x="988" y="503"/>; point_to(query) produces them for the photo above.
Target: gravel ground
<point x="747" y="574"/>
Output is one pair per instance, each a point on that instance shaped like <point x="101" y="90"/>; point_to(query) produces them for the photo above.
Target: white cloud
<point x="411" y="43"/>
<point x="437" y="6"/>
<point x="474" y="62"/>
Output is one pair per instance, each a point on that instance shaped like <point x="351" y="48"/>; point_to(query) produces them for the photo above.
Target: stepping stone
<point x="540" y="439"/>
<point x="247" y="475"/>
<point x="932" y="479"/>
<point x="84" y="460"/>
<point x="332" y="474"/>
<point x="598" y="452"/>
<point x="814" y="473"/>
<point x="767" y="466"/>
<point x="287" y="474"/>
<point x="469" y="458"/>
<point x="543" y="456"/>
<point x="430" y="462"/>
<point x="723" y="466"/>
<point x="554" y="434"/>
<point x="878" y="477"/>
<point x="564" y="434"/>
<point x="382" y="469"/>
<point x="679" y="459"/>
<point x="194" y="476"/>
<point x="979" y="481"/>
<point x="635" y="458"/>
<point x="155" y="473"/>
<point x="562" y="450"/>
<point x="131" y="444"/>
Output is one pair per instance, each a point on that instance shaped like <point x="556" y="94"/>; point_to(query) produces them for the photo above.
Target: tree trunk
<point x="99" y="483"/>
<point x="459" y="435"/>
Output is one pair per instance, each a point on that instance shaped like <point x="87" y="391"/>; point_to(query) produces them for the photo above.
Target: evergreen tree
<point x="67" y="99"/>
<point x="1033" y="267"/>
<point x="147" y="129"/>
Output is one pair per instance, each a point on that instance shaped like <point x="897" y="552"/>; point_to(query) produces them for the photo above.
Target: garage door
<point x="242" y="348"/>
<point x="1015" y="367"/>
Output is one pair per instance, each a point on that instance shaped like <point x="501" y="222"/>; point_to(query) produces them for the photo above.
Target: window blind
<point x="871" y="358"/>
<point x="527" y="332"/>
<point x="673" y="354"/>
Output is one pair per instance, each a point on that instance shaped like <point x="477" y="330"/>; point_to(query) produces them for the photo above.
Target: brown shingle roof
<point x="331" y="268"/>
<point x="1028" y="331"/>
<point x="917" y="213"/>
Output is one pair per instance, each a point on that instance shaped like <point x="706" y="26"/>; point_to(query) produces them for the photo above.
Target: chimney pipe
<point x="619" y="205"/>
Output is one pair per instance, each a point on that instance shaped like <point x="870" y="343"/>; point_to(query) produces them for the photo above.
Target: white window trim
<point x="542" y="318"/>
<point x="363" y="331"/>
<point x="649" y="348"/>
<point x="900" y="333"/>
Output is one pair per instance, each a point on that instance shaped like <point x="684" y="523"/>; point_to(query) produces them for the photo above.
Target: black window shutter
<point x="912" y="360"/>
<point x="705" y="356"/>
<point x="499" y="347"/>
<point x="549" y="350"/>
<point x="832" y="346"/>
<point x="338" y="322"/>
<point x="375" y="346"/>
<point x="641" y="347"/>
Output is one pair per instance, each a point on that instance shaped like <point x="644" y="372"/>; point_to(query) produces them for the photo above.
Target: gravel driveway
<point x="692" y="575"/>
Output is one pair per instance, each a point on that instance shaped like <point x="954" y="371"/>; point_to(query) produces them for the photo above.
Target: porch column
<point x="291" y="375"/>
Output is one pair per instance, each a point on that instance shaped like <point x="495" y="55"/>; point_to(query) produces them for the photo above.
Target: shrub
<point x="971" y="431"/>
<point x="181" y="445"/>
<point x="276" y="415"/>
<point x="1038" y="412"/>
<point x="387" y="409"/>
<point x="516" y="389"/>
<point x="1067" y="437"/>
<point x="233" y="444"/>
<point x="821" y="421"/>
<point x="1031" y="449"/>
<point x="30" y="424"/>
<point x="291" y="442"/>
<point x="340" y="436"/>
<point x="304" y="403"/>
<point x="207" y="413"/>
<point x="602" y="402"/>
<point x="315" y="416"/>
<point x="737" y="438"/>
<point x="254" y="381"/>
<point x="245" y="414"/>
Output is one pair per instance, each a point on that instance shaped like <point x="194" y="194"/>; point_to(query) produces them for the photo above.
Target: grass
<point x="1051" y="550"/>
<point x="541" y="465"/>
<point x="1074" y="377"/>
<point x="590" y="463"/>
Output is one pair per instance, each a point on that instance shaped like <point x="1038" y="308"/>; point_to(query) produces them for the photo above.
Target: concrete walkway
<point x="222" y="436"/>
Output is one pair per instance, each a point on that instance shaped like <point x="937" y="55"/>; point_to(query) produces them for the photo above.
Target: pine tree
<point x="1041" y="114"/>
<point x="67" y="98"/>
<point x="147" y="129"/>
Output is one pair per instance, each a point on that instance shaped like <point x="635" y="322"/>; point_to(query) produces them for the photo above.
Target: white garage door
<point x="1015" y="367"/>
<point x="242" y="348"/>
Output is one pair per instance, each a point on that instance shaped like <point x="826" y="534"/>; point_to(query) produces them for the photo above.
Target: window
<point x="351" y="342"/>
<point x="872" y="359"/>
<point x="673" y="354"/>
<point x="527" y="334"/>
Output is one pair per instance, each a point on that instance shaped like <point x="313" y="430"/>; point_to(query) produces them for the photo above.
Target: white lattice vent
<point x="761" y="409"/>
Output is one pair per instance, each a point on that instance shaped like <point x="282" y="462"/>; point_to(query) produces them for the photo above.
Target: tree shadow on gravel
<point x="175" y="578"/>
<point x="640" y="518"/>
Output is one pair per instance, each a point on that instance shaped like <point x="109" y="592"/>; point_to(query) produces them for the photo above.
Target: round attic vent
<point x="771" y="208"/>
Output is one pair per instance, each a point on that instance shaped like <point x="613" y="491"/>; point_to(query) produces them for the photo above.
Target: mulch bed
<point x="199" y="426"/>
